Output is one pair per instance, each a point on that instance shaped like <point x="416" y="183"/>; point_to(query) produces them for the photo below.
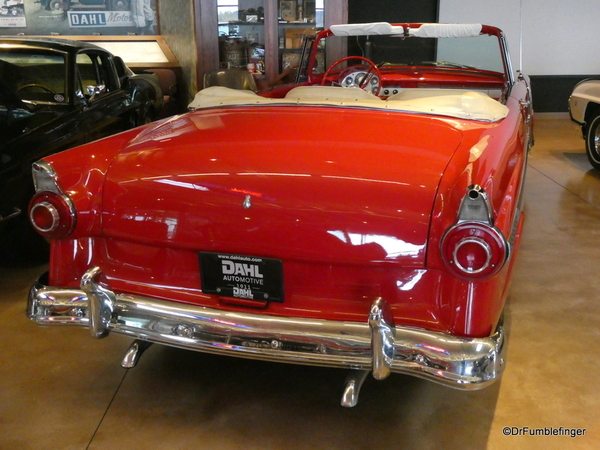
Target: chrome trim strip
<point x="507" y="61"/>
<point x="375" y="344"/>
<point x="15" y="212"/>
<point x="517" y="218"/>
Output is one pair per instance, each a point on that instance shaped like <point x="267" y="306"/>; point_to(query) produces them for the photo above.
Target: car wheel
<point x="56" y="5"/>
<point x="592" y="142"/>
<point x="119" y="5"/>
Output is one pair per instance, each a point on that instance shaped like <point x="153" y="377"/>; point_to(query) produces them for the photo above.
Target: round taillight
<point x="44" y="217"/>
<point x="474" y="250"/>
<point x="52" y="215"/>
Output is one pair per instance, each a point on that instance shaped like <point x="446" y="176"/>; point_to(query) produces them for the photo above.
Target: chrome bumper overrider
<point x="375" y="345"/>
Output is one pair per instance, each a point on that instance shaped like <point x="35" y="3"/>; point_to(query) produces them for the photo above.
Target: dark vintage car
<point x="366" y="217"/>
<point x="54" y="95"/>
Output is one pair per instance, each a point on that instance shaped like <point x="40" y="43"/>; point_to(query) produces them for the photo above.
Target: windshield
<point x="480" y="52"/>
<point x="31" y="76"/>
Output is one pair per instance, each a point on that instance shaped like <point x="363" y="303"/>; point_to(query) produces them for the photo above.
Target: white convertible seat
<point x="322" y="95"/>
<point x="411" y="94"/>
<point x="220" y="95"/>
<point x="462" y="104"/>
<point x="451" y="102"/>
<point x="330" y="92"/>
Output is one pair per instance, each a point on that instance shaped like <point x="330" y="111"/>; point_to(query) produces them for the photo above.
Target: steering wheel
<point x="356" y="76"/>
<point x="35" y="85"/>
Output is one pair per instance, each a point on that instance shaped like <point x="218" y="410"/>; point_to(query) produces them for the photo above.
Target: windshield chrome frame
<point x="312" y="46"/>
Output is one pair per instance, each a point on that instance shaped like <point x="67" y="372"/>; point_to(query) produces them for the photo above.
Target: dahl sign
<point x="100" y="19"/>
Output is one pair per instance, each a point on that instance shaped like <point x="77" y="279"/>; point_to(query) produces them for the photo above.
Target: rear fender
<point x="475" y="306"/>
<point x="80" y="175"/>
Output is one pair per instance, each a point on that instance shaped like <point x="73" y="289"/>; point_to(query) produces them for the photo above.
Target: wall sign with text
<point x="76" y="17"/>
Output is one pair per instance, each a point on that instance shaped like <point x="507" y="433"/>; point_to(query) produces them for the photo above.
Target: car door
<point x="108" y="108"/>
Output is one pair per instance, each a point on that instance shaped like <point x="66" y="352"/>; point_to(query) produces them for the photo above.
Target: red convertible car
<point x="364" y="217"/>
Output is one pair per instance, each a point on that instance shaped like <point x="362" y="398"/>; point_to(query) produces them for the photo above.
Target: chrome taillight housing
<point x="51" y="212"/>
<point x="52" y="215"/>
<point x="474" y="250"/>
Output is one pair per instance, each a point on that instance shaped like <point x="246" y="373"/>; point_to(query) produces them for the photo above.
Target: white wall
<point x="546" y="37"/>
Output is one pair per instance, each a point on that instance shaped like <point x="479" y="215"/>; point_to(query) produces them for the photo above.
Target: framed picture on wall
<point x="84" y="17"/>
<point x="288" y="10"/>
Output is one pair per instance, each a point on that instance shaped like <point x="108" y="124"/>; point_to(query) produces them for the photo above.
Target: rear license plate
<point x="239" y="276"/>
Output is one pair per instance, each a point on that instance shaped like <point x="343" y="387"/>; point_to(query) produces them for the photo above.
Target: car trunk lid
<point x="315" y="184"/>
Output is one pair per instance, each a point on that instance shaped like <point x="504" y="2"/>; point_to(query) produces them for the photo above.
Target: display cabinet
<point x="241" y="34"/>
<point x="296" y="19"/>
<point x="260" y="36"/>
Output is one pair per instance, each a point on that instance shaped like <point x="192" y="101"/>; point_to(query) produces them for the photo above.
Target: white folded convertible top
<point x="429" y="30"/>
<point x="362" y="29"/>
<point x="458" y="103"/>
<point x="446" y="30"/>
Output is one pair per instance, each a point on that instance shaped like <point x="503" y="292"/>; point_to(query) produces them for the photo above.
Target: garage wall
<point x="392" y="11"/>
<point x="561" y="37"/>
<point x="554" y="42"/>
<point x="504" y="14"/>
<point x="177" y="28"/>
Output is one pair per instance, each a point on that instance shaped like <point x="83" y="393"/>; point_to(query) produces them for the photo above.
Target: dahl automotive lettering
<point x="89" y="19"/>
<point x="119" y="17"/>
<point x="242" y="279"/>
<point x="248" y="270"/>
<point x="242" y="293"/>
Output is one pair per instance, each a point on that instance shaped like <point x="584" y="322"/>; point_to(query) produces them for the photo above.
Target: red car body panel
<point x="354" y="200"/>
<point x="328" y="199"/>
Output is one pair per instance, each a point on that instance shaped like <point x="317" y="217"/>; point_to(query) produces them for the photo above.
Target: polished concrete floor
<point x="61" y="389"/>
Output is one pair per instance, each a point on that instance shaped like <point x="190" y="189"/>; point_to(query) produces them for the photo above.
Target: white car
<point x="584" y="107"/>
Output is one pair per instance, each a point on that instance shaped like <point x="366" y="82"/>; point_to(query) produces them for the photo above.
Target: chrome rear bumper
<point x="376" y="345"/>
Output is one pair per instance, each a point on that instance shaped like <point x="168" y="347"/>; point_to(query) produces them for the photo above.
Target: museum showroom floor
<point x="61" y="389"/>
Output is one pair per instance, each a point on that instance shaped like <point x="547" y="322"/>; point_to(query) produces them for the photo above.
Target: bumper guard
<point x="375" y="345"/>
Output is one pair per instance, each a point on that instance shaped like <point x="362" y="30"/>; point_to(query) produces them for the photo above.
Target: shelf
<point x="306" y="24"/>
<point x="241" y="23"/>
